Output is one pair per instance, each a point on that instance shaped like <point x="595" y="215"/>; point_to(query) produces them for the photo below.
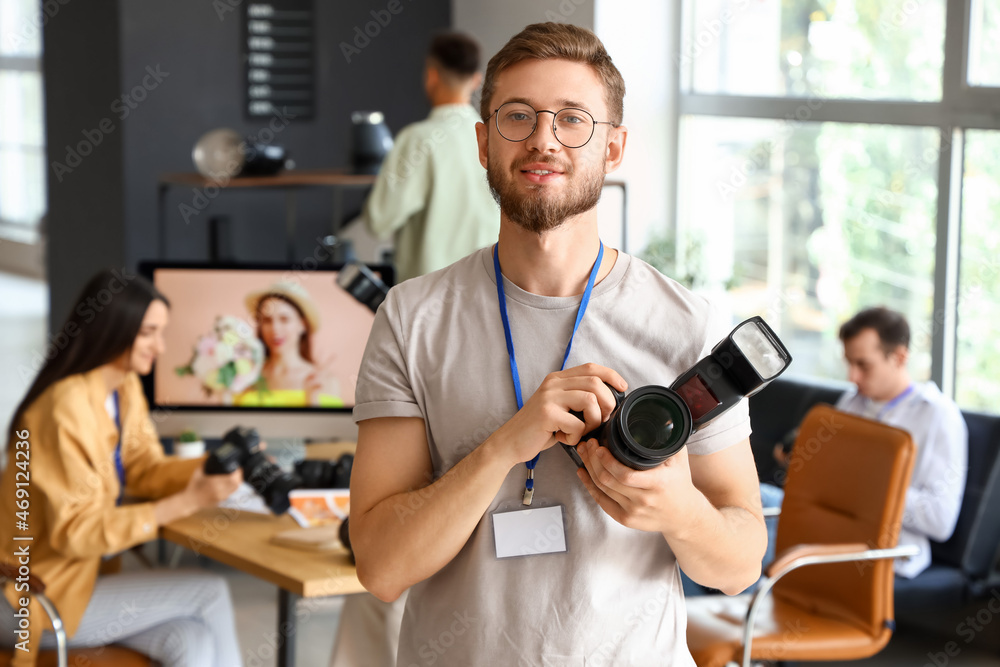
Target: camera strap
<point x="119" y="466"/>
<point x="529" y="484"/>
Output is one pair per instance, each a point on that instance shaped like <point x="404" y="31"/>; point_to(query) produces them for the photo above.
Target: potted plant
<point x="189" y="445"/>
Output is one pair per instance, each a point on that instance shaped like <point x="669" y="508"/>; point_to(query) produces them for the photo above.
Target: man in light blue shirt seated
<point x="876" y="348"/>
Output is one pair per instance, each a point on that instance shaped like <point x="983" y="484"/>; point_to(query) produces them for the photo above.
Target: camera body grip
<point x="596" y="433"/>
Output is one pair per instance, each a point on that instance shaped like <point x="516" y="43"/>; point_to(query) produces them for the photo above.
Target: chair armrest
<point x="803" y="555"/>
<point x="11" y="572"/>
<point x="58" y="628"/>
<point x="37" y="589"/>
<point x="789" y="556"/>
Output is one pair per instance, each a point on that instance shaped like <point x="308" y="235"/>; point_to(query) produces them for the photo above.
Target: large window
<point x="814" y="213"/>
<point x="978" y="358"/>
<point x="870" y="49"/>
<point x="22" y="142"/>
<point x="837" y="155"/>
<point x="984" y="43"/>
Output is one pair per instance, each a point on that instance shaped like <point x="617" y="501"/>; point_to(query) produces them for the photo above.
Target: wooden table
<point x="290" y="180"/>
<point x="242" y="540"/>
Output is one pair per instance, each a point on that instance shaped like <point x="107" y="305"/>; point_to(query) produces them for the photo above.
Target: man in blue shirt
<point x="877" y="348"/>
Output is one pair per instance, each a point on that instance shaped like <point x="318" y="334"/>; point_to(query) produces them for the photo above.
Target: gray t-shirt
<point x="437" y="352"/>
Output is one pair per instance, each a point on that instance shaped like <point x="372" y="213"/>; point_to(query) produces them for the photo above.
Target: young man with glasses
<point x="474" y="373"/>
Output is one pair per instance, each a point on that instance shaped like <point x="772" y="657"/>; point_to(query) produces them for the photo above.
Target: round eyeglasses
<point x="573" y="128"/>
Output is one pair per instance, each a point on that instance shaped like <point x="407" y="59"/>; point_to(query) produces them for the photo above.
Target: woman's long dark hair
<point x="102" y="326"/>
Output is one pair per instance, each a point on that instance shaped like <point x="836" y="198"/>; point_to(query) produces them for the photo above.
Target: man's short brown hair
<point x="891" y="327"/>
<point x="549" y="41"/>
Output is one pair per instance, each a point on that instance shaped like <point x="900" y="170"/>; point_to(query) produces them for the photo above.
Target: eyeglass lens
<point x="573" y="127"/>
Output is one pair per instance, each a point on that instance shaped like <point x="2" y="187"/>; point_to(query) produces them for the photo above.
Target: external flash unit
<point x="652" y="423"/>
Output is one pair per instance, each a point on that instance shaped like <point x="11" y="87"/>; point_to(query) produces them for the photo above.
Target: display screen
<point x="258" y="338"/>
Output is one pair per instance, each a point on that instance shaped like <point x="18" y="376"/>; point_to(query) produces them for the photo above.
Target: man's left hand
<point x="640" y="499"/>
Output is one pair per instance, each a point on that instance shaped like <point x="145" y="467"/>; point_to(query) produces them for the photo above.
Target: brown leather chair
<point x="828" y="593"/>
<point x="101" y="656"/>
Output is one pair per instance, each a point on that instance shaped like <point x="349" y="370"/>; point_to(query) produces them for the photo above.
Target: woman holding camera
<point x="83" y="438"/>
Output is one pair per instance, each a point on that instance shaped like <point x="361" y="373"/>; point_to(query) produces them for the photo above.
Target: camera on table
<point x="652" y="423"/>
<point x="324" y="474"/>
<point x="241" y="448"/>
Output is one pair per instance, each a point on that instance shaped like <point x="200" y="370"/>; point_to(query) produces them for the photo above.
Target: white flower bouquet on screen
<point x="227" y="360"/>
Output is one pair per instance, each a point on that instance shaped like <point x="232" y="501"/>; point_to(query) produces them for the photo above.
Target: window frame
<point x="9" y="229"/>
<point x="962" y="107"/>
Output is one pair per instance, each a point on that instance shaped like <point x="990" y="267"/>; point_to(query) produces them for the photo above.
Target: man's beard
<point x="536" y="211"/>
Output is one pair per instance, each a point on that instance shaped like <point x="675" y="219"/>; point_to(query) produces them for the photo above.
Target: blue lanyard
<point x="529" y="484"/>
<point x="119" y="466"/>
<point x="893" y="403"/>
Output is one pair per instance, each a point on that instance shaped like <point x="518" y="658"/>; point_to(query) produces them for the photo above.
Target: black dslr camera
<point x="322" y="474"/>
<point x="241" y="447"/>
<point x="362" y="283"/>
<point x="652" y="423"/>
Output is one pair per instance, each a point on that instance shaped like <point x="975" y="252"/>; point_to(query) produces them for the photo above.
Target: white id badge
<point x="529" y="532"/>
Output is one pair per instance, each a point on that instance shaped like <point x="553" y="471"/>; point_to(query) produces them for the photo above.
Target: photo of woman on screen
<point x="287" y="319"/>
<point x="264" y="338"/>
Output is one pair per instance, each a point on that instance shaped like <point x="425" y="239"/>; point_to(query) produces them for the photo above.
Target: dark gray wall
<point x="105" y="211"/>
<point x="86" y="217"/>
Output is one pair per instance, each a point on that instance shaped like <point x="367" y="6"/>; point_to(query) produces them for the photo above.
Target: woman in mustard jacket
<point x="79" y="441"/>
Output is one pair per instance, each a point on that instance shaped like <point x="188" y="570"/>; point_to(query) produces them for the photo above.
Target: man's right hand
<point x="547" y="418"/>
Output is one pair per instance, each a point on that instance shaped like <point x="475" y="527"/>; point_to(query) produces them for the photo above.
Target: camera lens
<point x="650" y="421"/>
<point x="648" y="427"/>
<point x="270" y="482"/>
<point x="645" y="429"/>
